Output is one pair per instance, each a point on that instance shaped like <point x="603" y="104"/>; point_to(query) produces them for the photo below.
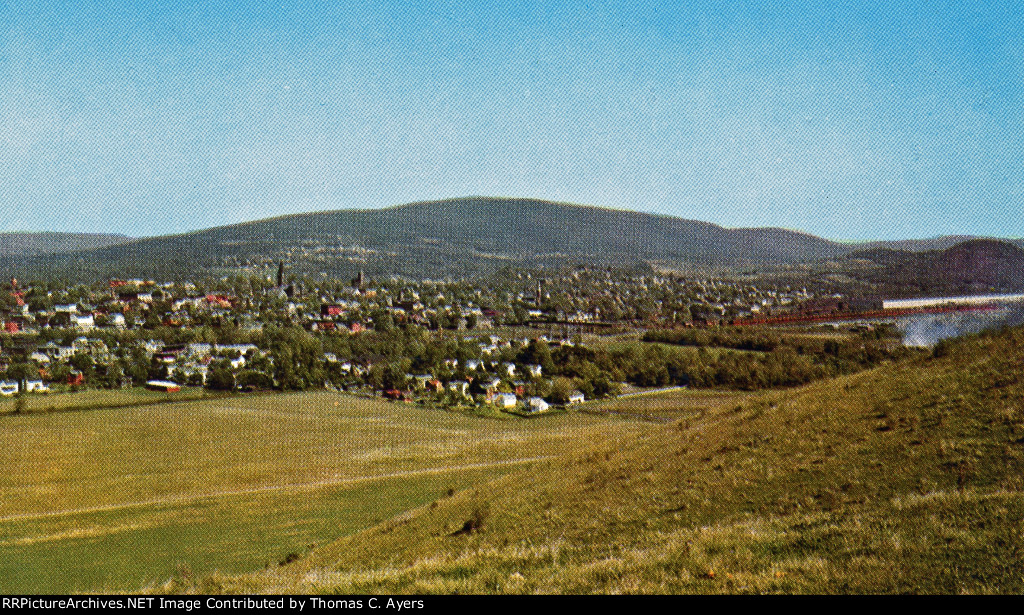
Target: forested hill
<point x="33" y="244"/>
<point x="975" y="266"/>
<point x="437" y="238"/>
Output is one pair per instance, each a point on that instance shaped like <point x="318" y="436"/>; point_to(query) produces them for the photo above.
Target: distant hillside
<point x="923" y="245"/>
<point x="33" y="244"/>
<point x="433" y="239"/>
<point x="977" y="265"/>
<point x="901" y="479"/>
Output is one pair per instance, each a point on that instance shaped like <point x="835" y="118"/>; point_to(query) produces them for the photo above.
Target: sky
<point x="849" y="120"/>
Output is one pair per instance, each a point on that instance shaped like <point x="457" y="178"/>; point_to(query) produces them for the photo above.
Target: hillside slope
<point x="974" y="266"/>
<point x="452" y="237"/>
<point x="923" y="245"/>
<point x="905" y="478"/>
<point x="33" y="244"/>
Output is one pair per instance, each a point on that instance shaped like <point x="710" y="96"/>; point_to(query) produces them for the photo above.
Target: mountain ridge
<point x="13" y="243"/>
<point x="448" y="237"/>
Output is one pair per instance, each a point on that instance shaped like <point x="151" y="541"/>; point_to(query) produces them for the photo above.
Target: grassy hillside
<point x="115" y="499"/>
<point x="905" y="478"/>
<point x="452" y="237"/>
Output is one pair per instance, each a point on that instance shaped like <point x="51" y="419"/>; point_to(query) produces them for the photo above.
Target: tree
<point x="561" y="389"/>
<point x="220" y="379"/>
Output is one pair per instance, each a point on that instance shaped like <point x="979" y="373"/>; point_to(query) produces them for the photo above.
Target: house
<point x="36" y="386"/>
<point x="509" y="368"/>
<point x="472" y="365"/>
<point x="394" y="395"/>
<point x="505" y="400"/>
<point x="8" y="388"/>
<point x="459" y="386"/>
<point x="576" y="398"/>
<point x="84" y="323"/>
<point x="536" y="404"/>
<point x="491" y="386"/>
<point x="535" y="370"/>
<point x="76" y="378"/>
<point x="422" y="380"/>
<point x="242" y="349"/>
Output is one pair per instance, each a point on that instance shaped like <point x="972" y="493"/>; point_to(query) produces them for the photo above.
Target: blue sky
<point x="849" y="120"/>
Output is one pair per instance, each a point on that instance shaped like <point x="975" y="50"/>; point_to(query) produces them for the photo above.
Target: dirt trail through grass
<point x="182" y="499"/>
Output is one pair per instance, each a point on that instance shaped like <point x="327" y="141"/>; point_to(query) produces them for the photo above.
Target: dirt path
<point x="184" y="499"/>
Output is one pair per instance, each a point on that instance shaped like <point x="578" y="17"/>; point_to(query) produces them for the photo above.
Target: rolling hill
<point x="902" y="479"/>
<point x="923" y="245"/>
<point x="433" y="239"/>
<point x="974" y="266"/>
<point x="33" y="244"/>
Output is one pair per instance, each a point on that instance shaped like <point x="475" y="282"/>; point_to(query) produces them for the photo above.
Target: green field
<point x="906" y="478"/>
<point x="672" y="404"/>
<point x="121" y="498"/>
<point x="95" y="399"/>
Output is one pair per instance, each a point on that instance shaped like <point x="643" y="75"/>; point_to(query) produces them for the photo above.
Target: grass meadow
<point x="906" y="478"/>
<point x="119" y="498"/>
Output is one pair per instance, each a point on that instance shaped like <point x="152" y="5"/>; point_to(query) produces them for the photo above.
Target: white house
<point x="8" y="388"/>
<point x="459" y="386"/>
<point x="537" y="404"/>
<point x="505" y="400"/>
<point x="84" y="323"/>
<point x="36" y="386"/>
<point x="576" y="398"/>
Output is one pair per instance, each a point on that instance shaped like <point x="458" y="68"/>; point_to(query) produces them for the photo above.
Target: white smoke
<point x="927" y="330"/>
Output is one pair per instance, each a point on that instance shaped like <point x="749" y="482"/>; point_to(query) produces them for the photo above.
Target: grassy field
<point x="672" y="404"/>
<point x="902" y="479"/>
<point x="95" y="399"/>
<point x="115" y="499"/>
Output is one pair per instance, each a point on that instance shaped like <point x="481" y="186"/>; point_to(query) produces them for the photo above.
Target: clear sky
<point x="849" y="120"/>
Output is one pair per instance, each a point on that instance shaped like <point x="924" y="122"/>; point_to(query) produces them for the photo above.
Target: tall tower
<point x="280" y="273"/>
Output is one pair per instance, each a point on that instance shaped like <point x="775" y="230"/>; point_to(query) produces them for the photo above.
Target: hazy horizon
<point x="871" y="122"/>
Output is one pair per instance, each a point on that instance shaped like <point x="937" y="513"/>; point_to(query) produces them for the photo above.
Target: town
<point x="520" y="341"/>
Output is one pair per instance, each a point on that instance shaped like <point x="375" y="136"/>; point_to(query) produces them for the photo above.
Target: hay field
<point x="118" y="498"/>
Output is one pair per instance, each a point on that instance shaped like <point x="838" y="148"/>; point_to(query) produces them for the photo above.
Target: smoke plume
<point x="927" y="330"/>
